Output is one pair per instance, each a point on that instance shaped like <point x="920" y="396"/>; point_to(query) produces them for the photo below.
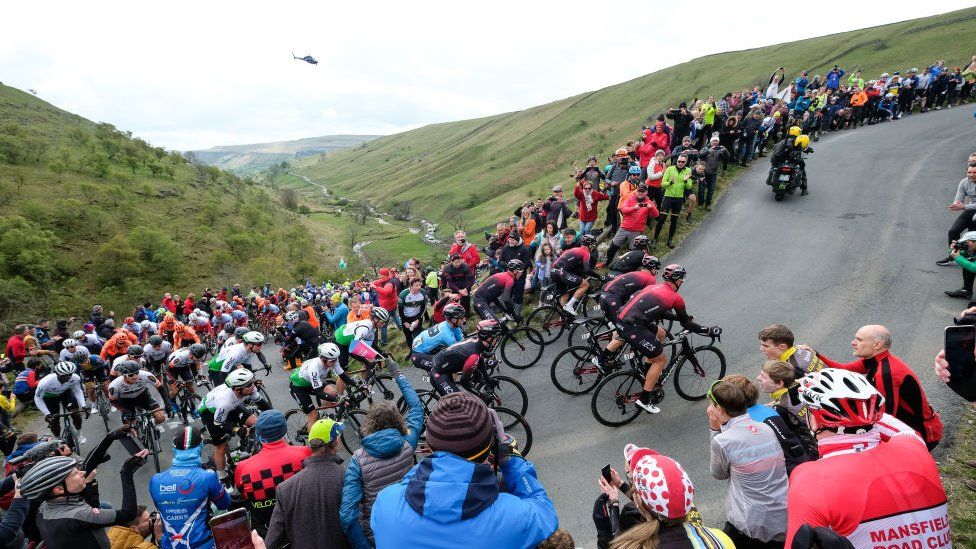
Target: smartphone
<point x="606" y="472"/>
<point x="232" y="530"/>
<point x="960" y="344"/>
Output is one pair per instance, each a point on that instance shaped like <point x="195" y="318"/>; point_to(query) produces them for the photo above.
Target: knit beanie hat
<point x="462" y="425"/>
<point x="271" y="426"/>
<point x="187" y="438"/>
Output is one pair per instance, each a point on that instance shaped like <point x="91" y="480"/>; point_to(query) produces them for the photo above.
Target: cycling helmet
<point x="198" y="350"/>
<point x="96" y="308"/>
<point x="179" y="328"/>
<point x="241" y="377"/>
<point x="621" y="152"/>
<point x="291" y="317"/>
<point x="155" y="340"/>
<point x="89" y="328"/>
<point x="515" y="265"/>
<point x="110" y="322"/>
<point x="587" y="240"/>
<point x="78" y="334"/>
<point x="379" y="314"/>
<point x="134" y="350"/>
<point x="651" y="262"/>
<point x="129" y="320"/>
<point x="840" y="398"/>
<point x="634" y="170"/>
<point x="45" y="475"/>
<point x="329" y="351"/>
<point x="453" y="311"/>
<point x="80" y="356"/>
<point x="129" y="367"/>
<point x="802" y="141"/>
<point x="640" y="242"/>
<point x="69" y="343"/>
<point x="239" y="332"/>
<point x="489" y="328"/>
<point x="145" y="324"/>
<point x="229" y="328"/>
<point x="794" y="131"/>
<point x="253" y="337"/>
<point x="65" y="368"/>
<point x="674" y="273"/>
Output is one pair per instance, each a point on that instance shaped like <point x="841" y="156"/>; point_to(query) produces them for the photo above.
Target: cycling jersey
<point x="616" y="293"/>
<point x="437" y="336"/>
<point x="574" y="260"/>
<point x="182" y="359"/>
<point x="496" y="288"/>
<point x="654" y="303"/>
<point x="229" y="358"/>
<point x="159" y="353"/>
<point x="313" y="373"/>
<point x="51" y="387"/>
<point x="463" y="357"/>
<point x="93" y="363"/>
<point x="68" y="356"/>
<point x="120" y="389"/>
<point x="220" y="403"/>
<point x="362" y="330"/>
<point x="188" y="338"/>
<point x="226" y="341"/>
<point x="627" y="263"/>
<point x="118" y="361"/>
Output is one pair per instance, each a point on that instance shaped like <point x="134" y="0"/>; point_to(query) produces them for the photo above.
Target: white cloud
<point x="192" y="75"/>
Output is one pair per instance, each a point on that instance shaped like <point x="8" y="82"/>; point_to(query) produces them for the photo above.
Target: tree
<point x="362" y="212"/>
<point x="116" y="261"/>
<point x="402" y="210"/>
<point x="155" y="168"/>
<point x="156" y="250"/>
<point x="19" y="178"/>
<point x="289" y="199"/>
<point x="99" y="164"/>
<point x="133" y="162"/>
<point x="26" y="250"/>
<point x="457" y="221"/>
<point x="111" y="147"/>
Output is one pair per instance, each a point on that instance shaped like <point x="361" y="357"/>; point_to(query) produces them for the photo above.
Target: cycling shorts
<point x="423" y="361"/>
<point x="642" y="339"/>
<point x="220" y="434"/>
<point x="672" y="205"/>
<point x="444" y="384"/>
<point x="185" y="373"/>
<point x="97" y="375"/>
<point x="65" y="400"/>
<point x="142" y="401"/>
<point x="304" y="397"/>
<point x="565" y="281"/>
<point x="610" y="304"/>
<point x="484" y="310"/>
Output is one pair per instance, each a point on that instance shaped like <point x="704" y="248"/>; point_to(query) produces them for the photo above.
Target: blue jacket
<point x="446" y="501"/>
<point x="151" y="315"/>
<point x="337" y="318"/>
<point x="183" y="494"/>
<point x="440" y="335"/>
<point x="801" y="84"/>
<point x="833" y="79"/>
<point x="383" y="444"/>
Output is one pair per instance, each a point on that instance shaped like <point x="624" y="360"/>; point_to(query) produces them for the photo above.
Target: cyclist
<point x="61" y="389"/>
<point x="184" y="364"/>
<point x="311" y="380"/>
<point x="155" y="353"/>
<point x="223" y="408"/>
<point x="497" y="289"/>
<point x="199" y="321"/>
<point x="304" y="338"/>
<point x="639" y="318"/>
<point x="226" y="333"/>
<point x="132" y="354"/>
<point x="464" y="358"/>
<point x="570" y="270"/>
<point x="616" y="293"/>
<point x="115" y="347"/>
<point x="149" y="329"/>
<point x="235" y="355"/>
<point x="235" y="338"/>
<point x="632" y="260"/>
<point x="129" y="392"/>
<point x="68" y="349"/>
<point x="876" y="482"/>
<point x="442" y="335"/>
<point x="167" y="326"/>
<point x="88" y="341"/>
<point x="184" y="336"/>
<point x="94" y="371"/>
<point x="356" y="339"/>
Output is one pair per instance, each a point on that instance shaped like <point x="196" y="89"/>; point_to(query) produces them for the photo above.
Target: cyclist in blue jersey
<point x="445" y="334"/>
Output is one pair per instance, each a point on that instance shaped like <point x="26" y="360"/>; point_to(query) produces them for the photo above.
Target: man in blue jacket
<point x="453" y="498"/>
<point x="183" y="494"/>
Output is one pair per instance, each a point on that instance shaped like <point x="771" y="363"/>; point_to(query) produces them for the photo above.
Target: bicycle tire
<point x="581" y="334"/>
<point x="70" y="436"/>
<point x="297" y="426"/>
<point x="698" y="378"/>
<point x="548" y="321"/>
<point x="611" y="400"/>
<point x="517" y="427"/>
<point x="385" y="383"/>
<point x="187" y="405"/>
<point x="514" y="396"/>
<point x="522" y="347"/>
<point x="352" y="431"/>
<point x="265" y="396"/>
<point x="155" y="448"/>
<point x="573" y="373"/>
<point x="103" y="407"/>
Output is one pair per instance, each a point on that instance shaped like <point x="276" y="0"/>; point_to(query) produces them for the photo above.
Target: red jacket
<point x="469" y="254"/>
<point x="653" y="141"/>
<point x="587" y="215"/>
<point x="634" y="218"/>
<point x="386" y="293"/>
<point x="188" y="306"/>
<point x="15" y="349"/>
<point x="258" y="476"/>
<point x="169" y="304"/>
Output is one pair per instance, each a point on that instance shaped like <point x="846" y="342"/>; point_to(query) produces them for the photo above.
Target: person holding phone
<point x="963" y="253"/>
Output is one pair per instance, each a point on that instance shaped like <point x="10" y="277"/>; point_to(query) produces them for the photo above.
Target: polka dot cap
<point x="661" y="483"/>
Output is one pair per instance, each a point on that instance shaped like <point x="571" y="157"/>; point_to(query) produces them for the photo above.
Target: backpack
<point x="799" y="428"/>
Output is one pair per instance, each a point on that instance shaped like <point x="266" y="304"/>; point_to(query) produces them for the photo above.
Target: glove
<point x="506" y="444"/>
<point x="133" y="463"/>
<point x="393" y="368"/>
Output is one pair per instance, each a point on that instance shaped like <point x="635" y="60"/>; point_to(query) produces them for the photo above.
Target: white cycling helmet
<point x="839" y="398"/>
<point x="241" y="377"/>
<point x="65" y="368"/>
<point x="329" y="351"/>
<point x="78" y="334"/>
<point x="145" y="324"/>
<point x="379" y="314"/>
<point x="253" y="337"/>
<point x="292" y="317"/>
<point x="69" y="343"/>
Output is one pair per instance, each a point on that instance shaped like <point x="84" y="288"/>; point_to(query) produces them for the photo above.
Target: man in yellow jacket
<point x="134" y="534"/>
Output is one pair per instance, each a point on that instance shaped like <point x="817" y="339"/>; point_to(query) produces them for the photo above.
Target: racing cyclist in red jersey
<point x="570" y="270"/>
<point x="497" y="289"/>
<point x="638" y="320"/>
<point x="616" y="292"/>
<point x="874" y="484"/>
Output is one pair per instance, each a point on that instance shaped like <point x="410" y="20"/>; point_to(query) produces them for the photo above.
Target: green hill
<point x="252" y="158"/>
<point x="90" y="214"/>
<point x="485" y="167"/>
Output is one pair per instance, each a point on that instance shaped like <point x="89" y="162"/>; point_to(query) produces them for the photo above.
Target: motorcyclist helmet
<point x="802" y="141"/>
<point x="794" y="131"/>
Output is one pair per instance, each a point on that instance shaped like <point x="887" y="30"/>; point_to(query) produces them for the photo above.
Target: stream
<point x="427" y="229"/>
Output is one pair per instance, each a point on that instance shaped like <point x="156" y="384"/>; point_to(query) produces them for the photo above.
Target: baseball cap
<point x="324" y="431"/>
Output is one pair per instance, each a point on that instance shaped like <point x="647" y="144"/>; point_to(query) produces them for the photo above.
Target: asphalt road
<point x="860" y="249"/>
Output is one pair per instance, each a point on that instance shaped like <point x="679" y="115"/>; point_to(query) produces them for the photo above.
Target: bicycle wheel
<point x="589" y="333"/>
<point x="384" y="384"/>
<point x="548" y="321"/>
<point x="265" y="396"/>
<point x="573" y="372"/>
<point x="188" y="405"/>
<point x="70" y="436"/>
<point x="695" y="373"/>
<point x="297" y="423"/>
<point x="154" y="447"/>
<point x="517" y="427"/>
<point x="613" y="401"/>
<point x="509" y="393"/>
<point x="522" y="347"/>
<point x="103" y="407"/>
<point x="352" y="431"/>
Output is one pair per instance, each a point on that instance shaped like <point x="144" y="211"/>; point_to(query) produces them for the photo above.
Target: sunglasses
<point x="710" y="395"/>
<point x="587" y="188"/>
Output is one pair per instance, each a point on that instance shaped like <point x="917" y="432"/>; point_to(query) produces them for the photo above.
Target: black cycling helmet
<point x="489" y="328"/>
<point x="453" y="311"/>
<point x="129" y="367"/>
<point x="587" y="240"/>
<point x="515" y="265"/>
<point x="239" y="332"/>
<point x="155" y="341"/>
<point x="198" y="350"/>
<point x="651" y="262"/>
<point x="229" y="328"/>
<point x="134" y="350"/>
<point x="640" y="242"/>
<point x="674" y="273"/>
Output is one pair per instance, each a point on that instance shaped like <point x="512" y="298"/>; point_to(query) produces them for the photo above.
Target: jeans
<point x="395" y="318"/>
<point x="585" y="226"/>
<point x="964" y="222"/>
<point x="707" y="184"/>
<point x="747" y="147"/>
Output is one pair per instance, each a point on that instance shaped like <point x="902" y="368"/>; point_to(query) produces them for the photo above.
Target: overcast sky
<point x="189" y="75"/>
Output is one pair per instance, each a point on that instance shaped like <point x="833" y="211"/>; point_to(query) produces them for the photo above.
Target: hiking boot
<point x="961" y="292"/>
<point x="945" y="262"/>
<point x="670" y="244"/>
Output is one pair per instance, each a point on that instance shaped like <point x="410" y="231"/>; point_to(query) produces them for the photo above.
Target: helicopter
<point x="308" y="59"/>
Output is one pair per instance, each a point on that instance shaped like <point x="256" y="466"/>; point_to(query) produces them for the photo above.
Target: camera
<point x="958" y="246"/>
<point x="551" y="199"/>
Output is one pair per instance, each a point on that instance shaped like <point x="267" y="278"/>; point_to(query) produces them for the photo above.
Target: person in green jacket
<point x="708" y="110"/>
<point x="433" y="282"/>
<point x="675" y="182"/>
<point x="964" y="253"/>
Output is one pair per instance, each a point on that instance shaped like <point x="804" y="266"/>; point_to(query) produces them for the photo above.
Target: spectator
<point x="560" y="539"/>
<point x="526" y="224"/>
<point x="682" y="123"/>
<point x="711" y="156"/>
<point x="963" y="253"/>
<point x="15" y="350"/>
<point x="412" y="307"/>
<point x="454" y="493"/>
<point x="778" y="380"/>
<point x="776" y="342"/>
<point x="308" y="503"/>
<point x="258" y="476"/>
<point x="587" y="200"/>
<point x="337" y="313"/>
<point x="556" y="209"/>
<point x="748" y="454"/>
<point x="636" y="212"/>
<point x="965" y="204"/>
<point x="387" y="294"/>
<point x="459" y="279"/>
<point x="676" y="181"/>
<point x="904" y="397"/>
<point x="134" y="534"/>
<point x="432" y="282"/>
<point x="544" y="260"/>
<point x="387" y="454"/>
<point x="655" y="172"/>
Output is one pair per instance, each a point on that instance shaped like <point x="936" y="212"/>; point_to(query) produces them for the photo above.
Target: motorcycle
<point x="785" y="178"/>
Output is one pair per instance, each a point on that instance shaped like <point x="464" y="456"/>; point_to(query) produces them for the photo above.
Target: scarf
<point x="588" y="198"/>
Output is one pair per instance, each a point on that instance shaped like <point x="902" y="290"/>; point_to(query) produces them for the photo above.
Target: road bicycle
<point x="102" y="405"/>
<point x="552" y="321"/>
<point x="148" y="435"/>
<point x="68" y="432"/>
<point x="187" y="401"/>
<point x="513" y="422"/>
<point x="694" y="370"/>
<point x="519" y="346"/>
<point x="352" y="420"/>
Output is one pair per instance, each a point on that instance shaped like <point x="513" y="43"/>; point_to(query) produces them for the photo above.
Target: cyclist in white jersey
<point x="61" y="389"/>
<point x="223" y="408"/>
<point x="129" y="392"/>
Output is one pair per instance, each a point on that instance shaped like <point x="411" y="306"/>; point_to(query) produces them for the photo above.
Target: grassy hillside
<point x="90" y="214"/>
<point x="486" y="166"/>
<point x="251" y="158"/>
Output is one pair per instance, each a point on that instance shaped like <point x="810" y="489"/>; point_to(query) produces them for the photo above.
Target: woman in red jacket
<point x="467" y="251"/>
<point x="587" y="199"/>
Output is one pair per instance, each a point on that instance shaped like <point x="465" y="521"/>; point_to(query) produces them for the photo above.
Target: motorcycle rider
<point x="791" y="150"/>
